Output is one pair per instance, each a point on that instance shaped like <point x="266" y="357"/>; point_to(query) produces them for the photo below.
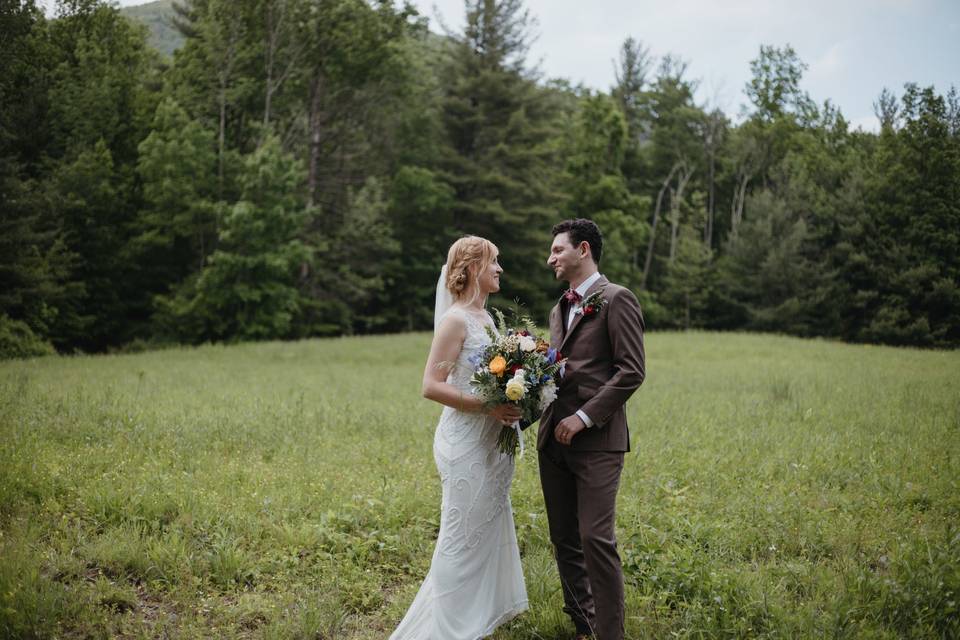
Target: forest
<point x="297" y="168"/>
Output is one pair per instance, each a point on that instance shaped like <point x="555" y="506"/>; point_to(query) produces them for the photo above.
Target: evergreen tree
<point x="97" y="89"/>
<point x="500" y="153"/>
<point x="248" y="289"/>
<point x="36" y="285"/>
<point x="765" y="272"/>
<point x="88" y="197"/>
<point x="69" y="130"/>
<point x="177" y="225"/>
<point x="364" y="252"/>
<point x="915" y="194"/>
<point x="37" y="293"/>
<point x="421" y="206"/>
<point x="688" y="281"/>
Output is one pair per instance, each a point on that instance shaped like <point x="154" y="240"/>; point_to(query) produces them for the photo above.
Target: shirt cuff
<point x="586" y="419"/>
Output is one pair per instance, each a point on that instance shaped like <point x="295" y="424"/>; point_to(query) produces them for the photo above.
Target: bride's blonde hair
<point x="465" y="260"/>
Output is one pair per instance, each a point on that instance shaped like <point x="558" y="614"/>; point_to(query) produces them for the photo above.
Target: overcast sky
<point x="854" y="48"/>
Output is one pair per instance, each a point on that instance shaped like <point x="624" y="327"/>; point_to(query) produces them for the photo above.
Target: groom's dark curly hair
<point x="579" y="230"/>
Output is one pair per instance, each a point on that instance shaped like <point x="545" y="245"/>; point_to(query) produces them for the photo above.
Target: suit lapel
<point x="596" y="286"/>
<point x="556" y="324"/>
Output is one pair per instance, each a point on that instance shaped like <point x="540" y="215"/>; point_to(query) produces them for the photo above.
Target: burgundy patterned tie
<point x="572" y="296"/>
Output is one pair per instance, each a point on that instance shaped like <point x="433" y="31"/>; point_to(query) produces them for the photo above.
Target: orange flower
<point x="498" y="365"/>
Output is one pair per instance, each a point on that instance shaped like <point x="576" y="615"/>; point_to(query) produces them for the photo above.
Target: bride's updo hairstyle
<point x="466" y="258"/>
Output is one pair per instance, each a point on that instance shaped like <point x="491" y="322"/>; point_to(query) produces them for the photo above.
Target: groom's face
<point x="564" y="257"/>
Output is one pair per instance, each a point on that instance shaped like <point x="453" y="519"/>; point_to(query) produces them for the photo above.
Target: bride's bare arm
<point x="447" y="343"/>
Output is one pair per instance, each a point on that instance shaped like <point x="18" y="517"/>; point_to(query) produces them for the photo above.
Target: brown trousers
<point x="580" y="492"/>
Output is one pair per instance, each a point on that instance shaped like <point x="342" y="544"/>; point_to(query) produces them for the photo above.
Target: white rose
<point x="548" y="393"/>
<point x="527" y="343"/>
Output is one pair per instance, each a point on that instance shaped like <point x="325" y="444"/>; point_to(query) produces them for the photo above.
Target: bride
<point x="475" y="582"/>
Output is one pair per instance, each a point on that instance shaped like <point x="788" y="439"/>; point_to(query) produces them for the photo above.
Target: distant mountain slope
<point x="158" y="17"/>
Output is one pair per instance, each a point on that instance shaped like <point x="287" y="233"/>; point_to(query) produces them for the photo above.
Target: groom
<point x="598" y="327"/>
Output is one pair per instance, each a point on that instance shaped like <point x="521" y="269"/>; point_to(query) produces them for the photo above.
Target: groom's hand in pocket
<point x="568" y="428"/>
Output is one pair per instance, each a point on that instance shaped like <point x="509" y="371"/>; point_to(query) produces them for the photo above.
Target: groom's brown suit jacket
<point x="605" y="365"/>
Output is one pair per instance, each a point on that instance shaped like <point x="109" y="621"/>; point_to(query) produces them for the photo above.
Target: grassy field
<point x="778" y="488"/>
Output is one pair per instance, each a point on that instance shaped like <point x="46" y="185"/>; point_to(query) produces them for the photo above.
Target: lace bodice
<point x="475" y="340"/>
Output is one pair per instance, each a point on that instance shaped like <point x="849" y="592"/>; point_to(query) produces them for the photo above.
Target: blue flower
<point x="551" y="355"/>
<point x="545" y="379"/>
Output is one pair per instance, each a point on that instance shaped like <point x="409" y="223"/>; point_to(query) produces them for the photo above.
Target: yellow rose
<point x="515" y="389"/>
<point x="498" y="365"/>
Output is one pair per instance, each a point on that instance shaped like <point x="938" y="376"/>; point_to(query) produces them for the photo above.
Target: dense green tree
<point x="779" y="108"/>
<point x="421" y="209"/>
<point x="26" y="59"/>
<point x="71" y="114"/>
<point x="300" y="167"/>
<point x="354" y="61"/>
<point x="688" y="281"/>
<point x="97" y="89"/>
<point x="598" y="189"/>
<point x="36" y="265"/>
<point x="364" y="251"/>
<point x="630" y="91"/>
<point x="36" y="289"/>
<point x="88" y="196"/>
<point x="248" y="288"/>
<point x="177" y="225"/>
<point x="215" y="79"/>
<point x="500" y="153"/>
<point x="915" y="195"/>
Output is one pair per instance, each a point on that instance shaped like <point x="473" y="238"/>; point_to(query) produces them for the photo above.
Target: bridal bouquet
<point x="519" y="368"/>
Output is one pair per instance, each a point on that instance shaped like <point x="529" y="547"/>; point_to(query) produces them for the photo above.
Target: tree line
<point x="299" y="167"/>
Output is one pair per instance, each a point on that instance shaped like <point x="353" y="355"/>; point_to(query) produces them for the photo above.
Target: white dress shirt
<point x="582" y="290"/>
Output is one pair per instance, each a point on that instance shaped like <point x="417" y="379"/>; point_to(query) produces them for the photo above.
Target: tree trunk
<point x="714" y="134"/>
<point x="653" y="228"/>
<point x="739" y="196"/>
<point x="271" y="51"/>
<point x="315" y="126"/>
<point x="223" y="78"/>
<point x="221" y="142"/>
<point x="711" y="199"/>
<point x="676" y="197"/>
<point x="674" y="223"/>
<point x="276" y="21"/>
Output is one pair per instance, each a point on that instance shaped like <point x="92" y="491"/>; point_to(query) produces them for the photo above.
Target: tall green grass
<point x="777" y="488"/>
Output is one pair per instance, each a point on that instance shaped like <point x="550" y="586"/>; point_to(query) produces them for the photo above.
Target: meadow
<point x="777" y="488"/>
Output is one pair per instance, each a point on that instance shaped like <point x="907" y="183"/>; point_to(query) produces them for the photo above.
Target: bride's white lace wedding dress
<point x="475" y="582"/>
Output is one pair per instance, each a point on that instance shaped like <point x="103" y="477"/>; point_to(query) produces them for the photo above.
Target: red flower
<point x="588" y="310"/>
<point x="514" y="368"/>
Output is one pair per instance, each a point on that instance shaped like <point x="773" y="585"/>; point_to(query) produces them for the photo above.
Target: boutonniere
<point x="592" y="304"/>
